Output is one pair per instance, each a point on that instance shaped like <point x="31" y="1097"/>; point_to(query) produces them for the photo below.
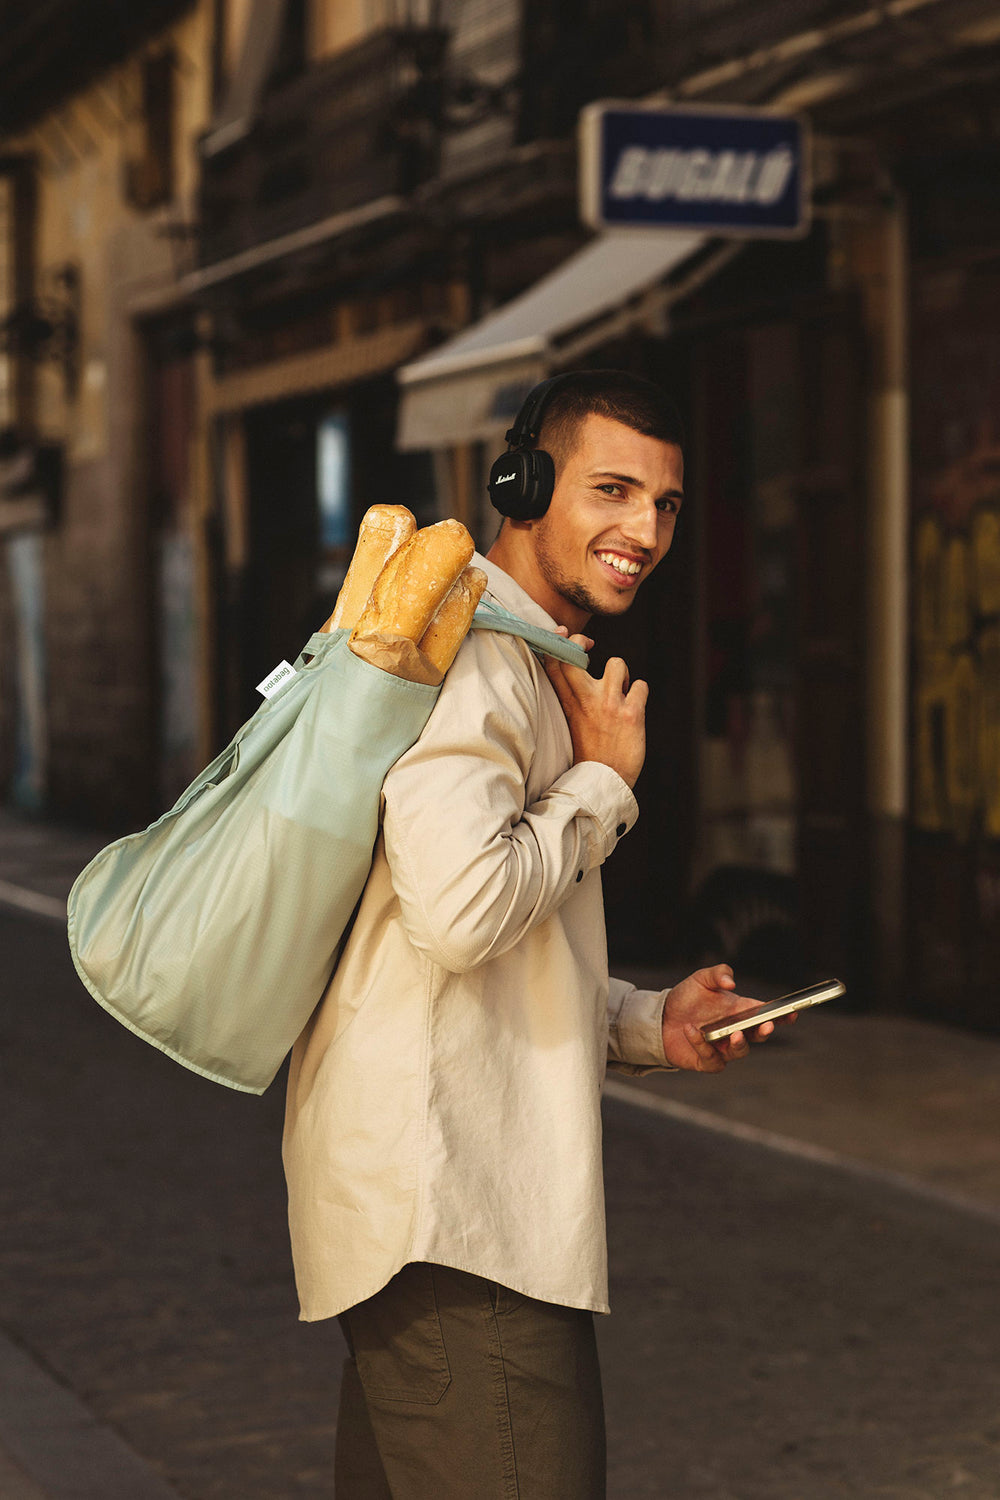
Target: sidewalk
<point x="887" y="1092"/>
<point x="51" y="1446"/>
<point x="912" y="1104"/>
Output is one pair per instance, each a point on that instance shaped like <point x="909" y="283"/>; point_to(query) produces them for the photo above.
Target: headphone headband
<point x="528" y="422"/>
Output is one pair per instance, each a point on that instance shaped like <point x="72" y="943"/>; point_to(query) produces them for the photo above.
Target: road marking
<point x="33" y="901"/>
<point x="787" y="1145"/>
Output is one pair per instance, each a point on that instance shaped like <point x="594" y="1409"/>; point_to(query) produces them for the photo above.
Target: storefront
<point x="954" y="844"/>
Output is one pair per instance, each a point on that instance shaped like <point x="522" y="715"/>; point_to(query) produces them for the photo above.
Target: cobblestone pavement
<point x="782" y="1330"/>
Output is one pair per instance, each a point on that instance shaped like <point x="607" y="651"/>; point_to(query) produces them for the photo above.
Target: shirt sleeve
<point x="635" y="1029"/>
<point x="474" y="866"/>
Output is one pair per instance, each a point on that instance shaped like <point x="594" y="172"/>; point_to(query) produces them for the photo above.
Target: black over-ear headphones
<point x="522" y="479"/>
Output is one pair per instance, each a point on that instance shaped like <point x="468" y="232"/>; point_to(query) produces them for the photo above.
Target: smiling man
<point x="443" y="1131"/>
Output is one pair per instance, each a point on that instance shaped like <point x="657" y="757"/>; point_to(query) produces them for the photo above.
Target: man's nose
<point x="641" y="525"/>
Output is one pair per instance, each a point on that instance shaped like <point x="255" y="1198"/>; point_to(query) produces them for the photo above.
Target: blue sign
<point x="726" y="171"/>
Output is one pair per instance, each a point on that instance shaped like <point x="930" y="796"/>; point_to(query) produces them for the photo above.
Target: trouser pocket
<point x="397" y="1341"/>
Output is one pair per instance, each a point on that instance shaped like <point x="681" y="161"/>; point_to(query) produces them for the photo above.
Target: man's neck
<point x="513" y="553"/>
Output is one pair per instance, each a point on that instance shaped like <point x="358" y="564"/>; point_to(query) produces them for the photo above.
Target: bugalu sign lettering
<point x="701" y="176"/>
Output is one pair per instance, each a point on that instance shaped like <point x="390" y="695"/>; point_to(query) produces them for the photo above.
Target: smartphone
<point x="745" y="1020"/>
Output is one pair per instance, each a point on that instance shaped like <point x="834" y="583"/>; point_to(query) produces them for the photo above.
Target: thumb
<point x="719" y="977"/>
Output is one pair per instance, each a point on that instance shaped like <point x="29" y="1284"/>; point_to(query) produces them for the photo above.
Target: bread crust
<point x="383" y="530"/>
<point x="416" y="580"/>
<point x="450" y="626"/>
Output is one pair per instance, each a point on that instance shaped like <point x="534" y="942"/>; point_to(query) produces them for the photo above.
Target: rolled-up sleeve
<point x="635" y="1029"/>
<point x="474" y="867"/>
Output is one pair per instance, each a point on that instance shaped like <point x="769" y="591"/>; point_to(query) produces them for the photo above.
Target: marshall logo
<point x="504" y="478"/>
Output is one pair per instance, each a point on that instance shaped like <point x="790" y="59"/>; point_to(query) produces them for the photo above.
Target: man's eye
<point x="667" y="507"/>
<point x="610" y="489"/>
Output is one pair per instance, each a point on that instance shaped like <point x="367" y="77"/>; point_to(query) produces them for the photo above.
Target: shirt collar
<point x="501" y="587"/>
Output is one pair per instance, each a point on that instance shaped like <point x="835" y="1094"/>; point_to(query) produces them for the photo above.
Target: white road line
<point x="788" y="1145"/>
<point x="33" y="901"/>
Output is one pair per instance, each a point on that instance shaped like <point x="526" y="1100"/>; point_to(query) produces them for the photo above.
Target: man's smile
<point x="625" y="569"/>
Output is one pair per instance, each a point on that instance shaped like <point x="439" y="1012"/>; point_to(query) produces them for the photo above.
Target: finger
<point x="638" y="695"/>
<point x="720" y="977"/>
<point x="709" y="1058"/>
<point x="555" y="672"/>
<point x="585" y="641"/>
<point x="616" y="675"/>
<point x="737" y="1045"/>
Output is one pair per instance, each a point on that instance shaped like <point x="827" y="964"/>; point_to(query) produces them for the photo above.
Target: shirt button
<point x="622" y="828"/>
<point x="579" y="876"/>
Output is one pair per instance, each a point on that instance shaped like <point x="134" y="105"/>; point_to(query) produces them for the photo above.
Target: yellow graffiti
<point x="956" y="759"/>
<point x="986" y="559"/>
<point x="928" y="547"/>
<point x="989" y="728"/>
<point x="956" y="593"/>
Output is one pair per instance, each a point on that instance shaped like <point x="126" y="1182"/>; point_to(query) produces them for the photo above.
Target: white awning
<point x="472" y="386"/>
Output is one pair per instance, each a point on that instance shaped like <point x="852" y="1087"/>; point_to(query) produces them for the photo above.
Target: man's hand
<point x="606" y="715"/>
<point x="704" y="996"/>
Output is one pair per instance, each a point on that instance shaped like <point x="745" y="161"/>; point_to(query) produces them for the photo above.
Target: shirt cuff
<point x="639" y="1024"/>
<point x="636" y="1031"/>
<point x="608" y="799"/>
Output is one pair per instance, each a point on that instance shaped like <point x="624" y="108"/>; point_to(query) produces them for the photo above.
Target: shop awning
<point x="472" y="386"/>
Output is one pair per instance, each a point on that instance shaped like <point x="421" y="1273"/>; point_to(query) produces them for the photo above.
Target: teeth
<point x="620" y="564"/>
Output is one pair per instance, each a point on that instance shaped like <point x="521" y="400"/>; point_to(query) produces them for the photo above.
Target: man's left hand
<point x="704" y="996"/>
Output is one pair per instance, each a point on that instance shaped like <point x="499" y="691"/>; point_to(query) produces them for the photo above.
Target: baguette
<point x="450" y="626"/>
<point x="383" y="531"/>
<point x="415" y="581"/>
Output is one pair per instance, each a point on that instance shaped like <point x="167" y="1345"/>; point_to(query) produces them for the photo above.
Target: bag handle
<point x="490" y="616"/>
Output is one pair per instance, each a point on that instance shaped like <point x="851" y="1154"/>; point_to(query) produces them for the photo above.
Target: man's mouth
<point x="625" y="570"/>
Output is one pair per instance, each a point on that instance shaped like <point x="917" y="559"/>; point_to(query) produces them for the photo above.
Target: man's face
<point x="611" y="520"/>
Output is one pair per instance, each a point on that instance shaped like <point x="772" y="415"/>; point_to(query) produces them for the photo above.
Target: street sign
<point x="726" y="171"/>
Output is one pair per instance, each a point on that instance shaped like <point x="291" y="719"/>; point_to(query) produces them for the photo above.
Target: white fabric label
<point x="276" y="680"/>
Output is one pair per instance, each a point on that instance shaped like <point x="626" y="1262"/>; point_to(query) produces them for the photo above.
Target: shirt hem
<point x="579" y="1304"/>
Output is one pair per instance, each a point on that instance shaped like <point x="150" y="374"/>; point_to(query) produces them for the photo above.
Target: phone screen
<point x="744" y="1020"/>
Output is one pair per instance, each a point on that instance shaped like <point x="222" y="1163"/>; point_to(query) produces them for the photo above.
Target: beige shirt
<point x="444" y="1100"/>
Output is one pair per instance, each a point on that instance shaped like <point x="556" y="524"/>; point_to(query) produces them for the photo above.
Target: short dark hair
<point x="618" y="394"/>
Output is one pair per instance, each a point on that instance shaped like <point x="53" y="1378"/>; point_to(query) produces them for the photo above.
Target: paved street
<point x="782" y="1330"/>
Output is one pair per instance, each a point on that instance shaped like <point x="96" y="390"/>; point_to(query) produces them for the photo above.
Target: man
<point x="443" y="1135"/>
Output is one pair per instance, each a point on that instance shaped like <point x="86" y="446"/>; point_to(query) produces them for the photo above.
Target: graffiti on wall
<point x="957" y="651"/>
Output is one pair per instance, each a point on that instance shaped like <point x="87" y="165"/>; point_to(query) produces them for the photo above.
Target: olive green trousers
<point x="459" y="1389"/>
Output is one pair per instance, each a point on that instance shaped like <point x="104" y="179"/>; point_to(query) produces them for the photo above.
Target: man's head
<point x="616" y="445"/>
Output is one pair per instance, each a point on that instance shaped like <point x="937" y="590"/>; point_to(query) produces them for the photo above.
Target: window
<point x="333" y="479"/>
<point x="149" y="167"/>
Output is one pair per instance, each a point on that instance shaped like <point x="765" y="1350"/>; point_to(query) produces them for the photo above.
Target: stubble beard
<point x="573" y="590"/>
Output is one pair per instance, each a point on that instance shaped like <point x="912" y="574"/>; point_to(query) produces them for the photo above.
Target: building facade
<point x="267" y="262"/>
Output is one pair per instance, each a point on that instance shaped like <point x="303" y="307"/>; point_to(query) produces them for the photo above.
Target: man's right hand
<point x="606" y="715"/>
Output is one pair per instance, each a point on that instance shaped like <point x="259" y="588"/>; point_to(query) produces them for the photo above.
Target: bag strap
<point x="490" y="616"/>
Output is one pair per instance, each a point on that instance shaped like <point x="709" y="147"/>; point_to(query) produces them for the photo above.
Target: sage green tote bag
<point x="213" y="933"/>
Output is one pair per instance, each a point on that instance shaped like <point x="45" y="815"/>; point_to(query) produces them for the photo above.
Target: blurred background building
<point x="264" y="263"/>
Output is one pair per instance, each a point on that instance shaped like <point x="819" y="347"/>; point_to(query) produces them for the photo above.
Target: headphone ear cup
<point x="521" y="483"/>
<point x="509" y="484"/>
<point x="543" y="481"/>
